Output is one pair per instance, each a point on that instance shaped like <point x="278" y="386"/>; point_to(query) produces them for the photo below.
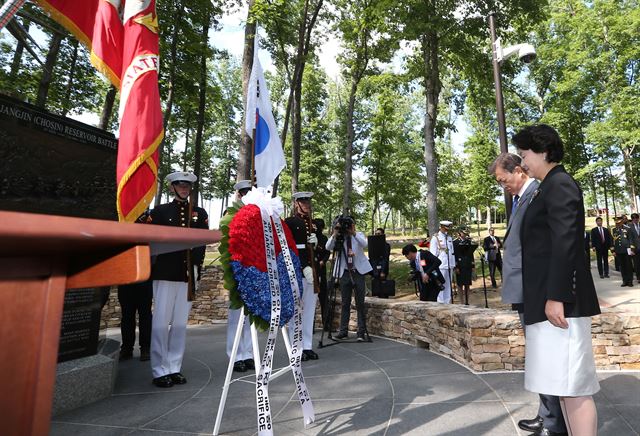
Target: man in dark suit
<point x="601" y="241"/>
<point x="508" y="171"/>
<point x="426" y="267"/>
<point x="634" y="229"/>
<point x="492" y="246"/>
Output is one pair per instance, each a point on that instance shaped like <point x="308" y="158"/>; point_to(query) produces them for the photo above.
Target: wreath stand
<point x="256" y="358"/>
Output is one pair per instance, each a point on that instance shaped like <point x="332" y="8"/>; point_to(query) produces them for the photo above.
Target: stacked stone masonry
<point x="481" y="339"/>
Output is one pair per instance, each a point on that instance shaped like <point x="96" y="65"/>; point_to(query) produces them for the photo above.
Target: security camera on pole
<point x="526" y="53"/>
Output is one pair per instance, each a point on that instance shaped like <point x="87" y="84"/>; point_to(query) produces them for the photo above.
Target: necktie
<point x="516" y="198"/>
<point x="602" y="234"/>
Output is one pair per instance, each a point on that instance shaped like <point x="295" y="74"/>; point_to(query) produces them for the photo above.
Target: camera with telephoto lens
<point x="434" y="280"/>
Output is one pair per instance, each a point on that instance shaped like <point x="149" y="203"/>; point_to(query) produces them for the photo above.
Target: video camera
<point x="343" y="224"/>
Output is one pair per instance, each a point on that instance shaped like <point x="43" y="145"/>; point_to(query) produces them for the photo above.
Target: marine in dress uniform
<point x="304" y="235"/>
<point x="244" y="355"/>
<point x="624" y="249"/>
<point x="442" y="247"/>
<point x="170" y="283"/>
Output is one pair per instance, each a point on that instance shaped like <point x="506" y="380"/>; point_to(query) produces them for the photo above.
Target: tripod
<point x="336" y="271"/>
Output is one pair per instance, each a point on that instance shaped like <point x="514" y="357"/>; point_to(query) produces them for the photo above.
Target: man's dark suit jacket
<point x="596" y="240"/>
<point x="553" y="256"/>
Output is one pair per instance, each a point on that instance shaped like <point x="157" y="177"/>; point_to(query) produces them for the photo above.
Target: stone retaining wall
<point x="481" y="339"/>
<point x="211" y="303"/>
<point x="488" y="339"/>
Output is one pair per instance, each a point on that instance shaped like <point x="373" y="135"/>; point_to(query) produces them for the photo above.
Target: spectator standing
<point x="601" y="241"/>
<point x="491" y="247"/>
<point x="634" y="227"/>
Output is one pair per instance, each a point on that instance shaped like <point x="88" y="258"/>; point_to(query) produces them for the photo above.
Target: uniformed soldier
<point x="463" y="248"/>
<point x="170" y="283"/>
<point x="442" y="247"/>
<point x="623" y="249"/>
<point x="300" y="224"/>
<point x="244" y="355"/>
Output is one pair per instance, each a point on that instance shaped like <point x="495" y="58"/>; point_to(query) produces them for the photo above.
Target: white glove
<point x="308" y="273"/>
<point x="312" y="239"/>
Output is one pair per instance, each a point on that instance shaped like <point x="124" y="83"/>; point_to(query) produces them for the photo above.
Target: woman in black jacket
<point x="559" y="294"/>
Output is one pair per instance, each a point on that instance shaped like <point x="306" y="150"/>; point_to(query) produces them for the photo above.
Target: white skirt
<point x="560" y="361"/>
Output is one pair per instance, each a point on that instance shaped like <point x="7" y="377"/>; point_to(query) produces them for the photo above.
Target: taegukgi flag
<point x="269" y="156"/>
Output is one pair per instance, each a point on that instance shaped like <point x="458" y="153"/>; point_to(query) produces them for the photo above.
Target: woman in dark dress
<point x="559" y="295"/>
<point x="463" y="248"/>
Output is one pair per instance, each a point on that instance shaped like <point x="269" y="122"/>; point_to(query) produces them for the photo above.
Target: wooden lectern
<point x="40" y="257"/>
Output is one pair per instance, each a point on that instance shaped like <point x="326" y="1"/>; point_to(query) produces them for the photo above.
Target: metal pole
<point x="502" y="130"/>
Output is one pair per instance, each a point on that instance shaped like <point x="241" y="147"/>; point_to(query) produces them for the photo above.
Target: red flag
<point x="126" y="52"/>
<point x="141" y="129"/>
<point x="97" y="25"/>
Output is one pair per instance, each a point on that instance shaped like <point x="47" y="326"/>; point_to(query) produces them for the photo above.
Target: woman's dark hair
<point x="409" y="248"/>
<point x="540" y="138"/>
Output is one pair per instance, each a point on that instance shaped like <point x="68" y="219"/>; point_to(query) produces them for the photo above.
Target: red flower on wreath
<point x="246" y="238"/>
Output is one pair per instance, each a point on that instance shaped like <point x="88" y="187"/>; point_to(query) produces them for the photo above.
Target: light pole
<point x="526" y="53"/>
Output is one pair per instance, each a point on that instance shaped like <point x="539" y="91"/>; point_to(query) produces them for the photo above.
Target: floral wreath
<point x="244" y="265"/>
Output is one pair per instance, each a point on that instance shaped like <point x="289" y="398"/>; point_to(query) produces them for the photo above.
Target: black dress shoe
<point x="163" y="382"/>
<point x="601" y="276"/>
<point x="546" y="432"/>
<point x="125" y="355"/>
<point x="312" y="355"/>
<point x="606" y="276"/>
<point x="250" y="364"/>
<point x="177" y="378"/>
<point x="144" y="355"/>
<point x="240" y="366"/>
<point x="304" y="357"/>
<point x="341" y="335"/>
<point x="533" y="425"/>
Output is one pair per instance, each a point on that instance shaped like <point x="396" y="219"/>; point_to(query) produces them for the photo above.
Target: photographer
<point x="425" y="272"/>
<point x="351" y="265"/>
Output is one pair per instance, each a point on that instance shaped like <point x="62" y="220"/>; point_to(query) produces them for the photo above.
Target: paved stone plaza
<point x="382" y="388"/>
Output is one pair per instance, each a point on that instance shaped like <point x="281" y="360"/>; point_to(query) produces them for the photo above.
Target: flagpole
<point x="254" y="181"/>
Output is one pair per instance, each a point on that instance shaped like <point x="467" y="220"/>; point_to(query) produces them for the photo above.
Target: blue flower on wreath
<point x="253" y="286"/>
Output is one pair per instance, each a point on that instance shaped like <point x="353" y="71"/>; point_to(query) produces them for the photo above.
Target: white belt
<point x="301" y="245"/>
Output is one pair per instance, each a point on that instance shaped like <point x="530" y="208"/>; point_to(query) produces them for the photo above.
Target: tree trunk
<point x="72" y="71"/>
<point x="107" y="108"/>
<point x="296" y="137"/>
<point x="47" y="72"/>
<point x="197" y="158"/>
<point x="169" y="108"/>
<point x="187" y="134"/>
<point x="628" y="172"/>
<point x="244" y="156"/>
<point x="17" y="56"/>
<point x="348" y="161"/>
<point x="432" y="93"/>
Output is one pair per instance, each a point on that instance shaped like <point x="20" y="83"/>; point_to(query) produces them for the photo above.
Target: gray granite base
<point x="86" y="380"/>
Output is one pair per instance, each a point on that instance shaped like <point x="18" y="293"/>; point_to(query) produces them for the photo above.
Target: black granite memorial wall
<point x="54" y="165"/>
